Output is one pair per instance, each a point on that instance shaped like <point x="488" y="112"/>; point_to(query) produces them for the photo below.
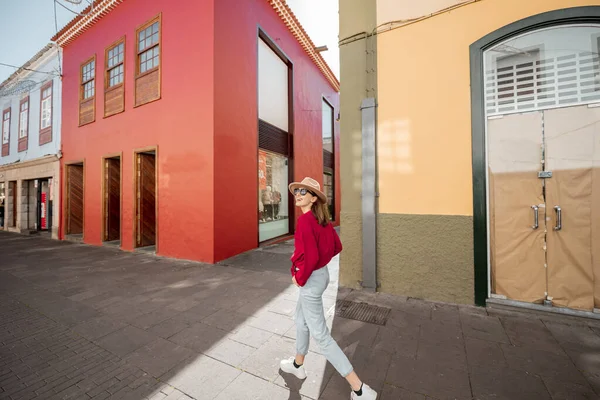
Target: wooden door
<point x="571" y="134"/>
<point x="146" y="200"/>
<point x="74" y="199"/>
<point x="112" y="198"/>
<point x="516" y="202"/>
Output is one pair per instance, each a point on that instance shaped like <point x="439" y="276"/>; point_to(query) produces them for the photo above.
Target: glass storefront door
<point x="273" y="215"/>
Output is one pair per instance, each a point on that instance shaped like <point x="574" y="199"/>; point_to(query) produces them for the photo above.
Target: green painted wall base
<point x="422" y="256"/>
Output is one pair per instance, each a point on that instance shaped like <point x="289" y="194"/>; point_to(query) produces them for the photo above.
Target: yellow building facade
<point x="484" y="121"/>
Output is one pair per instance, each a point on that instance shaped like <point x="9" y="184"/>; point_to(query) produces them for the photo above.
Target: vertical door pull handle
<point x="558" y="226"/>
<point x="536" y="217"/>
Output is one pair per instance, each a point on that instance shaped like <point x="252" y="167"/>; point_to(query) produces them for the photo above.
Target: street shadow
<point x="167" y="326"/>
<point x="293" y="384"/>
<point x="142" y="325"/>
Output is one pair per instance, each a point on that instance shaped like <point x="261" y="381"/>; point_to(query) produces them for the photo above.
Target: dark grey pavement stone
<point x="451" y="355"/>
<point x="97" y="327"/>
<point x="543" y="363"/>
<point x="126" y="340"/>
<point x="349" y="331"/>
<point x="430" y="378"/>
<point x="484" y="354"/>
<point x="197" y="313"/>
<point x="169" y="327"/>
<point x="445" y="313"/>
<point x="507" y="384"/>
<point x="198" y="337"/>
<point x="530" y="332"/>
<point x="568" y="391"/>
<point x="152" y="318"/>
<point x="394" y="393"/>
<point x="483" y="327"/>
<point x="159" y="357"/>
<point x="227" y="320"/>
<point x="574" y="333"/>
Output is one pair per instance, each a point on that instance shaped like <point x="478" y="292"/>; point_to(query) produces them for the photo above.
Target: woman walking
<point x="316" y="243"/>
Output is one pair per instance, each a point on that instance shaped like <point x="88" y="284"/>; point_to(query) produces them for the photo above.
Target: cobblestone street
<point x="81" y="322"/>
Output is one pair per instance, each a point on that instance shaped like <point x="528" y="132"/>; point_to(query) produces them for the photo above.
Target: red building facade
<point x="184" y="121"/>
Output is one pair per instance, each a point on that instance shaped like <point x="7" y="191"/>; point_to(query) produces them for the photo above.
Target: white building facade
<point x="30" y="122"/>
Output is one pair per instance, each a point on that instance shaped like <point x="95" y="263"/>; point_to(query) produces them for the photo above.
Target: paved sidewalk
<point x="81" y="322"/>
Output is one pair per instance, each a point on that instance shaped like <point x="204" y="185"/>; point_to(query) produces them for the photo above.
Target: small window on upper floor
<point x="23" y="124"/>
<point x="46" y="113"/>
<point x="147" y="69"/>
<point x="87" y="96"/>
<point x="114" y="78"/>
<point x="6" y="132"/>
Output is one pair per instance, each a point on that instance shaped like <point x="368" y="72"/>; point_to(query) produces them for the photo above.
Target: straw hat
<point x="310" y="184"/>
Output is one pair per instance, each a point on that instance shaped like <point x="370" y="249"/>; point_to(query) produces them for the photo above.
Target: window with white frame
<point x="148" y="47"/>
<point x="23" y="118"/>
<point x="115" y="64"/>
<point x="5" y="126"/>
<point x="46" y="113"/>
<point x="88" y="73"/>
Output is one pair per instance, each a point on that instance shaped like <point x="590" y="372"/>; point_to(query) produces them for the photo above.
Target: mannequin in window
<point x="276" y="202"/>
<point x="267" y="199"/>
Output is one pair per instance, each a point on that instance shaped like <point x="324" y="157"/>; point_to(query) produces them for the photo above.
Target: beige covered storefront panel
<point x="570" y="135"/>
<point x="517" y="248"/>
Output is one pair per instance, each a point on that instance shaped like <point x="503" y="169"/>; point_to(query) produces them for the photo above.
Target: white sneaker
<point x="288" y="366"/>
<point x="367" y="393"/>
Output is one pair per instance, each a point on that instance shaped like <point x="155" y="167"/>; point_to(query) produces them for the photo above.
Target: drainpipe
<point x="369" y="220"/>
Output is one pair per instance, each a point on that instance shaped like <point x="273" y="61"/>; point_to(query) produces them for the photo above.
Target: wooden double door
<point x="544" y="206"/>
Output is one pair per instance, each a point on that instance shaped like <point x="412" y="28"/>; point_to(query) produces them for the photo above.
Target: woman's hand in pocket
<point x="294" y="280"/>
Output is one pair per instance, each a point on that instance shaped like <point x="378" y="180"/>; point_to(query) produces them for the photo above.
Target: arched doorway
<point x="536" y="160"/>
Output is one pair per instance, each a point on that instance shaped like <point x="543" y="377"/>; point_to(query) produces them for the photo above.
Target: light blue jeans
<point x="310" y="321"/>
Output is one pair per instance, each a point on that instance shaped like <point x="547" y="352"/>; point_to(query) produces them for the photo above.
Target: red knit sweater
<point x="315" y="246"/>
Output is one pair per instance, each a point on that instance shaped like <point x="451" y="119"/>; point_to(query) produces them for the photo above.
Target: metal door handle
<point x="536" y="217"/>
<point x="558" y="226"/>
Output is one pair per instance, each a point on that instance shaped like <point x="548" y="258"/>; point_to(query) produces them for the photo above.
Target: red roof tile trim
<point x="290" y="20"/>
<point x="81" y="23"/>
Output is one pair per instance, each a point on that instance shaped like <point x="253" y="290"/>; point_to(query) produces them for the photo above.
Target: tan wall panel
<point x="356" y="16"/>
<point x="426" y="256"/>
<point x="395" y="10"/>
<point x="424" y="114"/>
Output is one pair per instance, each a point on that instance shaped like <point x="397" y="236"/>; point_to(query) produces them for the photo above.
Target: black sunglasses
<point x="303" y="191"/>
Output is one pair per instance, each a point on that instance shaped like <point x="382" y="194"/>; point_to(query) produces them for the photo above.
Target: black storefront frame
<point x="271" y="136"/>
<point x="566" y="16"/>
<point x="329" y="158"/>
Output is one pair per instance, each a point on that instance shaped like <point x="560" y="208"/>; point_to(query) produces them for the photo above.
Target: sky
<point x="30" y="24"/>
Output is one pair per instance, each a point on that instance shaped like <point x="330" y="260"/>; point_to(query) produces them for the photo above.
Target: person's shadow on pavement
<point x="293" y="384"/>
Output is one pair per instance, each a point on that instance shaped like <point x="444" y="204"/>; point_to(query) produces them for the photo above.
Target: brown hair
<point x="321" y="212"/>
